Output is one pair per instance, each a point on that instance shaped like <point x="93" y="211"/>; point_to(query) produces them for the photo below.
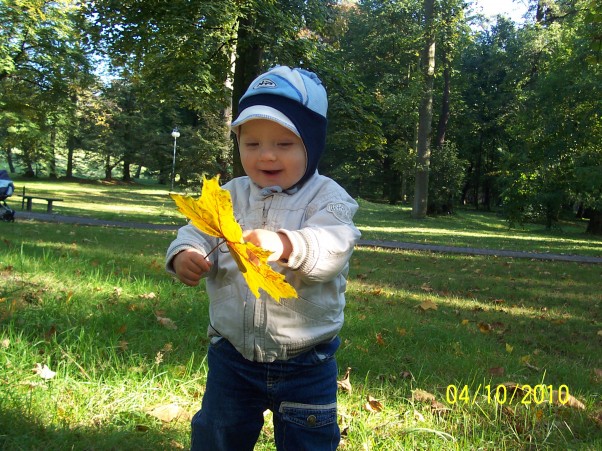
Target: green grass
<point x="85" y="300"/>
<point x="470" y="228"/>
<point x="102" y="200"/>
<point x="467" y="228"/>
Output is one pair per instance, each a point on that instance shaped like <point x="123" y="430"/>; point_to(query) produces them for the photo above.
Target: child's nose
<point x="267" y="153"/>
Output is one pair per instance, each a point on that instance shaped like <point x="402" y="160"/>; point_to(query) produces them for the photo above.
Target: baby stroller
<point x="6" y="190"/>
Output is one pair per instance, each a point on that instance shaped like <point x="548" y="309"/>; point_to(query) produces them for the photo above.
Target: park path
<point x="44" y="217"/>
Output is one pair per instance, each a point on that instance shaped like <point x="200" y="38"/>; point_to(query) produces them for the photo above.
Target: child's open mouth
<point x="274" y="172"/>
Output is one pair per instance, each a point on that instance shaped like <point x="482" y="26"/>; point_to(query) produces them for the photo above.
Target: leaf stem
<point x="216" y="246"/>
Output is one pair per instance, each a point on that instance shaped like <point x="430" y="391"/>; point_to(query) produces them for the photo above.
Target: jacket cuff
<point x="305" y="250"/>
<point x="175" y="250"/>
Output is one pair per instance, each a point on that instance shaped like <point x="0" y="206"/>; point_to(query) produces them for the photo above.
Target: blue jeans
<point x="301" y="392"/>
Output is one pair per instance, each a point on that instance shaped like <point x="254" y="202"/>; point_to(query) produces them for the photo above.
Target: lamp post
<point x="176" y="134"/>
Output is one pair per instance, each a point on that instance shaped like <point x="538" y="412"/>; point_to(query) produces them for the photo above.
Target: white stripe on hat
<point x="263" y="112"/>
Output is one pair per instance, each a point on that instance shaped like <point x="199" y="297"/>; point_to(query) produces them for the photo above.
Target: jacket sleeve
<point x="189" y="237"/>
<point x="323" y="246"/>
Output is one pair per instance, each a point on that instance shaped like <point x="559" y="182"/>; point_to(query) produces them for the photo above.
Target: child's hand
<point x="190" y="265"/>
<point x="277" y="243"/>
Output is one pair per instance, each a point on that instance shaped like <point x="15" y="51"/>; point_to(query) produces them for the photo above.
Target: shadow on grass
<point x="22" y="431"/>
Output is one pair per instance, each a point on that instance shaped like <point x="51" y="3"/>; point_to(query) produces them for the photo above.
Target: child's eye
<point x="285" y="144"/>
<point x="251" y="144"/>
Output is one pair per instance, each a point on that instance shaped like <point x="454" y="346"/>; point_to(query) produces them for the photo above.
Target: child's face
<point x="271" y="154"/>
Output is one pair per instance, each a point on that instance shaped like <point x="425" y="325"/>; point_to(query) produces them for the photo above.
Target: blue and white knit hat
<point x="295" y="99"/>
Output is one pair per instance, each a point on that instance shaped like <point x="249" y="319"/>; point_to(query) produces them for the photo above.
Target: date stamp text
<point x="507" y="393"/>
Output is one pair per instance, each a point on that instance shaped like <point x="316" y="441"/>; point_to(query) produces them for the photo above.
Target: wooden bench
<point x="27" y="201"/>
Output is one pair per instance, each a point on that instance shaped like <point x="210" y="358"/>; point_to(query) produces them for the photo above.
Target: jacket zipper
<point x="266" y="209"/>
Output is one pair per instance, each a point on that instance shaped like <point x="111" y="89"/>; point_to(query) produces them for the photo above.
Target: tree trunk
<point x="247" y="67"/>
<point x="444" y="118"/>
<point x="391" y="181"/>
<point x="477" y="174"/>
<point x="9" y="160"/>
<point x="425" y="115"/>
<point x="108" y="168"/>
<point x="127" y="173"/>
<point x="404" y="187"/>
<point x="52" y="163"/>
<point x="594" y="226"/>
<point x="70" y="152"/>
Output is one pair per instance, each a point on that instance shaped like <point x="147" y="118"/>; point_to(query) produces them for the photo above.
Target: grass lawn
<point x="101" y="349"/>
<point x="467" y="228"/>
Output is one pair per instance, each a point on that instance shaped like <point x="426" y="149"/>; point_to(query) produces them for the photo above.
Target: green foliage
<point x="446" y="179"/>
<point x="523" y="99"/>
<point x="558" y="123"/>
<point x="43" y="65"/>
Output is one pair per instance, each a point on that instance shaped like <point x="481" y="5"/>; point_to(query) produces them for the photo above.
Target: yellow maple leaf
<point x="213" y="214"/>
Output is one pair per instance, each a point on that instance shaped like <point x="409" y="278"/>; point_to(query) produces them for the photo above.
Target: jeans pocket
<point x="308" y="415"/>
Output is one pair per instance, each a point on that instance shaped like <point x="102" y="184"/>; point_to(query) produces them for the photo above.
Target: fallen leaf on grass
<point x="373" y="405"/>
<point x="406" y="375"/>
<point x="525" y="359"/>
<point x="422" y="396"/>
<point x="597" y="375"/>
<point x="43" y="371"/>
<point x="425" y="287"/>
<point x="5" y="343"/>
<point x="154" y="264"/>
<point x="566" y="400"/>
<point x="345" y="384"/>
<point x="167" y="323"/>
<point x="437" y="407"/>
<point x="429" y="398"/>
<point x="168" y="413"/>
<point x="380" y="340"/>
<point x="484" y="327"/>
<point x="533" y="367"/>
<point x="496" y="371"/>
<point x="150" y="295"/>
<point x="427" y="305"/>
<point x="509" y="348"/>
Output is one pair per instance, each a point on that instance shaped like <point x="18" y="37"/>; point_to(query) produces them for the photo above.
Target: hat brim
<point x="263" y="112"/>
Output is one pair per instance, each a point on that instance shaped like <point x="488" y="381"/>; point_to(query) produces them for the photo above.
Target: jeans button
<point x="311" y="420"/>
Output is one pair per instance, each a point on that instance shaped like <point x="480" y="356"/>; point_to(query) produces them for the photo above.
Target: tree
<point x="425" y="114"/>
<point x="559" y="120"/>
<point x="43" y="60"/>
